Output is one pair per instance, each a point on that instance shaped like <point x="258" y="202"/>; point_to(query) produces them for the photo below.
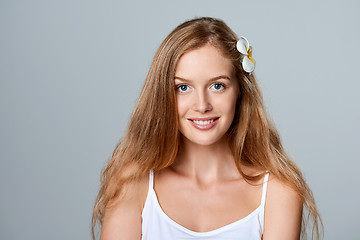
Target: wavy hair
<point x="152" y="139"/>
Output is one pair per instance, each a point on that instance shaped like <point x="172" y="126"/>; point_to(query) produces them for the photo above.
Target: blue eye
<point x="218" y="86"/>
<point x="182" y="88"/>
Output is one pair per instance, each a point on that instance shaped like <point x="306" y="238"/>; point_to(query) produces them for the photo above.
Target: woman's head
<point x="156" y="109"/>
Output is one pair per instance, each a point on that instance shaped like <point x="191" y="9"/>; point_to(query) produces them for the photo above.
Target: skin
<point x="205" y="169"/>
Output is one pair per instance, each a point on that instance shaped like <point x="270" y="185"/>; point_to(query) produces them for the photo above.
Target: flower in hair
<point x="247" y="61"/>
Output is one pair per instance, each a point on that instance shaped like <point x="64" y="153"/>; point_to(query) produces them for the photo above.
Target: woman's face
<point x="206" y="92"/>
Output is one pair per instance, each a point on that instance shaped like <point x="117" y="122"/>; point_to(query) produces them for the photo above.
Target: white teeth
<point x="201" y="122"/>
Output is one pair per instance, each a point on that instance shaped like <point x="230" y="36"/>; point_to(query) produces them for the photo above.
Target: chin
<point x="205" y="141"/>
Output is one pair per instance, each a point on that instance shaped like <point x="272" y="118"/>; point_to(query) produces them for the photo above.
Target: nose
<point x="202" y="103"/>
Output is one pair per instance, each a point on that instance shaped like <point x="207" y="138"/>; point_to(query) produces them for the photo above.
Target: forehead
<point x="203" y="63"/>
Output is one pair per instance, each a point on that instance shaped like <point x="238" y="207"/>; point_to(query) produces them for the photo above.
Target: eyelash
<point x="179" y="86"/>
<point x="221" y="84"/>
<point x="214" y="84"/>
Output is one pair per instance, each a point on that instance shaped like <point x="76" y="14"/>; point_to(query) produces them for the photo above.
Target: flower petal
<point x="248" y="65"/>
<point x="246" y="42"/>
<point x="241" y="46"/>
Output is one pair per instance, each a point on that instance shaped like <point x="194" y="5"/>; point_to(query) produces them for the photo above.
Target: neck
<point x="206" y="164"/>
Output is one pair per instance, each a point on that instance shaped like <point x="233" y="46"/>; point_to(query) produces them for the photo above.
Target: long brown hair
<point x="152" y="138"/>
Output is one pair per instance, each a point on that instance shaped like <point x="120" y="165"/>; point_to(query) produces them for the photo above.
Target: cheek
<point x="182" y="105"/>
<point x="233" y="97"/>
<point x="227" y="104"/>
<point x="232" y="102"/>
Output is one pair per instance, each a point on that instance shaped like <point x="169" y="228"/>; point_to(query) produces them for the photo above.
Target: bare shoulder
<point x="283" y="211"/>
<point x="280" y="190"/>
<point x="122" y="220"/>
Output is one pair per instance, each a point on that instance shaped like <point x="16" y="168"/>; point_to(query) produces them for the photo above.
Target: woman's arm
<point x="123" y="221"/>
<point x="283" y="212"/>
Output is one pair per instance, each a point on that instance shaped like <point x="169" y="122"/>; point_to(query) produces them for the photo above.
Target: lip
<point x="204" y="127"/>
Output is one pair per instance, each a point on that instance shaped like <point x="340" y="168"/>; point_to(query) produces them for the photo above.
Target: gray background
<point x="71" y="72"/>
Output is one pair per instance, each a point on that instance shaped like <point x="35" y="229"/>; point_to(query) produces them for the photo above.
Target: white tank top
<point x="156" y="225"/>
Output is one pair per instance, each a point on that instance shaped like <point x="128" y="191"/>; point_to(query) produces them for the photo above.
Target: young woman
<point x="201" y="159"/>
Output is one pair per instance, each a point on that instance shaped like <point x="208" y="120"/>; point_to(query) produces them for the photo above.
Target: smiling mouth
<point x="204" y="123"/>
<point x="201" y="122"/>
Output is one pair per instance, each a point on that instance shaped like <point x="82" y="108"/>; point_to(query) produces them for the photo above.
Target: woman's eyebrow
<point x="210" y="80"/>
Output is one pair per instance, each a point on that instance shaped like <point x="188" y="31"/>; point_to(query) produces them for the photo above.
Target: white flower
<point x="243" y="46"/>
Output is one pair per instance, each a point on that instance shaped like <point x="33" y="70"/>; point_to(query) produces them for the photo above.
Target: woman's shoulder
<point x="133" y="192"/>
<point x="122" y="218"/>
<point x="281" y="188"/>
<point x="283" y="208"/>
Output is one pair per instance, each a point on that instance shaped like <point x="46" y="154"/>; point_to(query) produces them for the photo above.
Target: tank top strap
<point x="151" y="180"/>
<point x="263" y="195"/>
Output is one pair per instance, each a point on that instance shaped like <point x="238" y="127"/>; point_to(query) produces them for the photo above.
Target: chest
<point x="204" y="209"/>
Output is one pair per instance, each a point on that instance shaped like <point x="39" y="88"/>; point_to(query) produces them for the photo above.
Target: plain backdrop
<point x="71" y="72"/>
